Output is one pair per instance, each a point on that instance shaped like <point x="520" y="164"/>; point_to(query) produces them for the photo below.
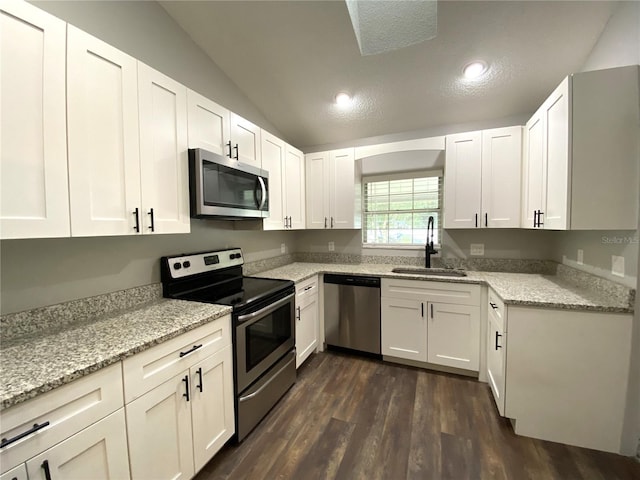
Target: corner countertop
<point x="36" y="363"/>
<point x="524" y="289"/>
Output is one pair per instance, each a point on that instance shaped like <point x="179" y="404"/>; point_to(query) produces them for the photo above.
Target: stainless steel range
<point x="263" y="325"/>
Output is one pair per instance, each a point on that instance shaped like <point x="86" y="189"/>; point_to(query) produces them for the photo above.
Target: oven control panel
<point x="192" y="264"/>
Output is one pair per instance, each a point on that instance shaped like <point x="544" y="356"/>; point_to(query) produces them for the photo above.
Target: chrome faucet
<point x="428" y="249"/>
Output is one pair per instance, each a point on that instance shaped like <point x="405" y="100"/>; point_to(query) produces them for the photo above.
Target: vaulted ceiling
<point x="292" y="57"/>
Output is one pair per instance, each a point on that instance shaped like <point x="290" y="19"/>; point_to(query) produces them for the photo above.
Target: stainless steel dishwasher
<point x="352" y="312"/>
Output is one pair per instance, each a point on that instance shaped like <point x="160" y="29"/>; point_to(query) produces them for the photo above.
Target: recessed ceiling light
<point x="474" y="70"/>
<point x="343" y="99"/>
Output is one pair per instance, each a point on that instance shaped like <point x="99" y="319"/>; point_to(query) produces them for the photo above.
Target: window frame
<point x="437" y="172"/>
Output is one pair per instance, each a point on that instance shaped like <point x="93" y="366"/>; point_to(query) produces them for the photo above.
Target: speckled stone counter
<point x="550" y="291"/>
<point x="40" y="360"/>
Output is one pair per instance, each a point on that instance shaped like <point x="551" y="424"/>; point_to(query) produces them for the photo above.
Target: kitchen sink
<point x="440" y="272"/>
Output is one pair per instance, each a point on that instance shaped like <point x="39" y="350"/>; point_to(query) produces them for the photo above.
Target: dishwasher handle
<point x="352" y="280"/>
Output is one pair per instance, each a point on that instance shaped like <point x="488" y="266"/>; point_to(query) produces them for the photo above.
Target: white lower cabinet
<point x="403" y="328"/>
<point x="180" y="421"/>
<point x="562" y="376"/>
<point x="307" y="316"/>
<point x="159" y="431"/>
<point x="97" y="452"/>
<point x="18" y="473"/>
<point x="212" y="408"/>
<point x="496" y="350"/>
<point x="453" y="336"/>
<point x="431" y="322"/>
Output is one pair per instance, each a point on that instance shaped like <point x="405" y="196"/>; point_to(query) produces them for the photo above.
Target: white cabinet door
<point x="462" y="188"/>
<point x="34" y="194"/>
<point x="163" y="153"/>
<point x="208" y="125"/>
<point x="294" y="183"/>
<point x="159" y="432"/>
<point x="454" y="335"/>
<point x="556" y="117"/>
<point x="212" y="405"/>
<point x="496" y="353"/>
<point x="404" y="328"/>
<point x="534" y="170"/>
<point x="342" y="188"/>
<point x="306" y="326"/>
<point x="273" y="155"/>
<point x="97" y="452"/>
<point x="317" y="183"/>
<point x="501" y="164"/>
<point x="245" y="141"/>
<point x="18" y="473"/>
<point x="103" y="137"/>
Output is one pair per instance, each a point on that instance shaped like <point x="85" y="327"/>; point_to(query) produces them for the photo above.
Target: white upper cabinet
<point x="533" y="171"/>
<point x="163" y="153"/>
<point x="462" y="187"/>
<point x="581" y="167"/>
<point x="333" y="186"/>
<point x="317" y="182"/>
<point x="501" y="170"/>
<point x="34" y="198"/>
<point x="245" y="141"/>
<point x="294" y="182"/>
<point x="103" y="137"/>
<point x="128" y="167"/>
<point x="208" y="125"/>
<point x="285" y="165"/>
<point x="482" y="179"/>
<point x="273" y="154"/>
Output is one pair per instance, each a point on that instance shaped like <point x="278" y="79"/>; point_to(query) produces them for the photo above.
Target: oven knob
<point x="177" y="266"/>
<point x="186" y="264"/>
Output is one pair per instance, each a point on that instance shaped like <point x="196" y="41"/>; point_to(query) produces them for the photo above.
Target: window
<point x="397" y="208"/>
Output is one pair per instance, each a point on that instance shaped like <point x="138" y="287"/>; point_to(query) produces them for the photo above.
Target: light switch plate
<point x="283" y="248"/>
<point x="580" y="257"/>
<point x="617" y="265"/>
<point x="477" y="249"/>
<point x="332" y="246"/>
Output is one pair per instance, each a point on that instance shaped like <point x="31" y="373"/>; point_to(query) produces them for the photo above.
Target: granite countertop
<point x="526" y="289"/>
<point x="41" y="361"/>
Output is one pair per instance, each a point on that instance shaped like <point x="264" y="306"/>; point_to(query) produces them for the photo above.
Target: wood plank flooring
<point x="349" y="417"/>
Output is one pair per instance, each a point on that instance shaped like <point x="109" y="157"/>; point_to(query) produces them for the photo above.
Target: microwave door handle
<point x="263" y="197"/>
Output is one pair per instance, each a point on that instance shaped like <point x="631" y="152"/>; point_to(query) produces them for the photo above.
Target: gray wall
<point x="42" y="272"/>
<point x="516" y="244"/>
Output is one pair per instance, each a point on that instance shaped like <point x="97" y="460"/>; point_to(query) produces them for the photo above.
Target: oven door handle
<point x="266" y="310"/>
<point x="257" y="392"/>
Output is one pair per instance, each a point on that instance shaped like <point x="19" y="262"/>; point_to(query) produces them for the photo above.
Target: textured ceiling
<point x="291" y="58"/>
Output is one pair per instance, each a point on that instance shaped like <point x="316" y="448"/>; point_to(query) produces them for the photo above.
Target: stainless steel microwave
<point x="223" y="187"/>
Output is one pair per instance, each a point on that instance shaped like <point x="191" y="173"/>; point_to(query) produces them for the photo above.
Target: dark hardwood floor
<point x="349" y="417"/>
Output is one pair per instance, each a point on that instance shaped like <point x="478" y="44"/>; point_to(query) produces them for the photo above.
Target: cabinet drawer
<point x="307" y="287"/>
<point x="497" y="310"/>
<point x="442" y="292"/>
<point x="68" y="410"/>
<point x="148" y="369"/>
<point x="18" y="473"/>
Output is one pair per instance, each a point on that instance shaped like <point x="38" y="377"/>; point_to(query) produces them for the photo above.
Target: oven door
<point x="262" y="338"/>
<point x="224" y="187"/>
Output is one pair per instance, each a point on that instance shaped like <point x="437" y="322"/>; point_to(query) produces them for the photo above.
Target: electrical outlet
<point x="283" y="248"/>
<point x="580" y="257"/>
<point x="617" y="265"/>
<point x="477" y="249"/>
<point x="332" y="246"/>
